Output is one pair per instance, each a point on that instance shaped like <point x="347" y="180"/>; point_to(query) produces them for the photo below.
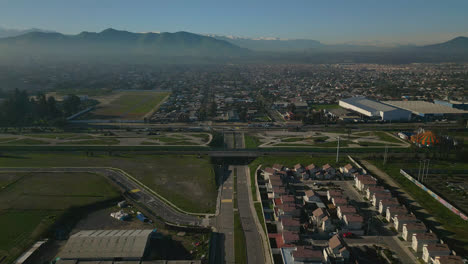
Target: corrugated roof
<point x="105" y="244"/>
<point x="423" y="107"/>
<point x="368" y="104"/>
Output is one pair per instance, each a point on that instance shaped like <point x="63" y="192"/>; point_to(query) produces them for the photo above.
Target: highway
<point x="151" y="201"/>
<point x="255" y="249"/>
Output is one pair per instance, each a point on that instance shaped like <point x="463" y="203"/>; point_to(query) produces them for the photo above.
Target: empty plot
<point x="129" y="106"/>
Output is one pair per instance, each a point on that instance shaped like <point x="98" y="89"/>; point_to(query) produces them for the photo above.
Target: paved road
<point x="224" y="222"/>
<point x="151" y="201"/>
<point x="239" y="139"/>
<point x="229" y="140"/>
<point x="255" y="250"/>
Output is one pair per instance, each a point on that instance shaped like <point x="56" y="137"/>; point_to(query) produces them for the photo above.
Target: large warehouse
<point x="374" y="109"/>
<point x="106" y="245"/>
<point x="425" y="109"/>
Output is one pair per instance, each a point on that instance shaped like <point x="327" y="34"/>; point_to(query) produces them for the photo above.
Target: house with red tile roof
<point x="392" y="211"/>
<point x="447" y="260"/>
<point x="307" y="254"/>
<point x="421" y="239"/>
<point x="353" y="221"/>
<point x="289" y="224"/>
<point x="399" y="220"/>
<point x="374" y="189"/>
<point x="412" y="228"/>
<point x="345" y="209"/>
<point x="386" y="203"/>
<point x="380" y="196"/>
<point x="290" y="237"/>
<point x="337" y="251"/>
<point x="334" y="193"/>
<point x="339" y="201"/>
<point x="433" y="250"/>
<point x="277" y="167"/>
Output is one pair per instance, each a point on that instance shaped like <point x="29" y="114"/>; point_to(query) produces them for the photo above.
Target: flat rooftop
<point x="368" y="104"/>
<point x="423" y="107"/>
<point x="106" y="244"/>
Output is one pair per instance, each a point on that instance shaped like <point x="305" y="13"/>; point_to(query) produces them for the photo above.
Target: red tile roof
<point x="437" y="247"/>
<point x="306" y="252"/>
<point x="289" y="236"/>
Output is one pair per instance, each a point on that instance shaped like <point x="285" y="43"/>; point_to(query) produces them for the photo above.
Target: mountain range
<point x="118" y="45"/>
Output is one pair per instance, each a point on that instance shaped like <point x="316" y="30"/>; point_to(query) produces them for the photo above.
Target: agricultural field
<point x="187" y="181"/>
<point x="127" y="105"/>
<point x="31" y="202"/>
<point x="326" y="139"/>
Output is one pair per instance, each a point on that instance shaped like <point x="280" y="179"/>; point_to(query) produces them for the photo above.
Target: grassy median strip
<point x="261" y="217"/>
<point x="240" y="249"/>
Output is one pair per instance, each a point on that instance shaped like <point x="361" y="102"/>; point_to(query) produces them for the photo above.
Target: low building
<point x="386" y="203"/>
<point x="432" y="250"/>
<point x="348" y="169"/>
<point x="421" y="239"/>
<point x="102" y="245"/>
<point x="339" y="201"/>
<point x="390" y="212"/>
<point x="317" y="216"/>
<point x="337" y="251"/>
<point x="353" y="221"/>
<point x="334" y="193"/>
<point x="302" y="254"/>
<point x="290" y="237"/>
<point x="290" y="224"/>
<point x="377" y="197"/>
<point x="310" y="197"/>
<point x="326" y="224"/>
<point x="412" y="228"/>
<point x="399" y="220"/>
<point x="370" y="191"/>
<point x="345" y="209"/>
<point x="448" y="260"/>
<point x="375" y="110"/>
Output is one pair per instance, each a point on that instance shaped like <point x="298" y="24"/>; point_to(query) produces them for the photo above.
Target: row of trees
<point x="19" y="109"/>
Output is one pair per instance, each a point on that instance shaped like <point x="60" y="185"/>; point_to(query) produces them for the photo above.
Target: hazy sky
<point x="330" y="21"/>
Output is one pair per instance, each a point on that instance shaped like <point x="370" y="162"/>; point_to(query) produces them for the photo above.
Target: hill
<point x="117" y="43"/>
<point x="458" y="44"/>
<point x="273" y="45"/>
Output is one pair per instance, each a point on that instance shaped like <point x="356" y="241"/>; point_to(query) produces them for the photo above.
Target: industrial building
<point x="106" y="246"/>
<point x="427" y="109"/>
<point x="375" y="110"/>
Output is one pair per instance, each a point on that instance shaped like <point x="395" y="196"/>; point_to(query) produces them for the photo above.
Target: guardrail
<point x="434" y="195"/>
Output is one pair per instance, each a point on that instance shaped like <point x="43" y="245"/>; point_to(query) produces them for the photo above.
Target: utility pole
<point x="427" y="170"/>
<point x="338" y="149"/>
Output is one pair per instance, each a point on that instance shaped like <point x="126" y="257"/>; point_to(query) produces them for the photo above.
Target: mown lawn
<point x="251" y="142"/>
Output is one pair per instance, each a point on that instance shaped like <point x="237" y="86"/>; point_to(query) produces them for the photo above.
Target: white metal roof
<point x="423" y="107"/>
<point x="368" y="105"/>
<point x="106" y="244"/>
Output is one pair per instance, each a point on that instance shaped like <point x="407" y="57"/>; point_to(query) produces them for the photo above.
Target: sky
<point x="329" y="21"/>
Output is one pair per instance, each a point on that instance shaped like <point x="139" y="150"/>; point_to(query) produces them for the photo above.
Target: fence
<point x="434" y="195"/>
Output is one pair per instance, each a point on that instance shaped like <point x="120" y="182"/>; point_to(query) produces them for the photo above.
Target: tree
<point x="71" y="104"/>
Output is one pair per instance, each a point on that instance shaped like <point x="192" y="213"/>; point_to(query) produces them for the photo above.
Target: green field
<point x="251" y="141"/>
<point x="129" y="105"/>
<point x="456" y="227"/>
<point x="187" y="181"/>
<point x="31" y="202"/>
